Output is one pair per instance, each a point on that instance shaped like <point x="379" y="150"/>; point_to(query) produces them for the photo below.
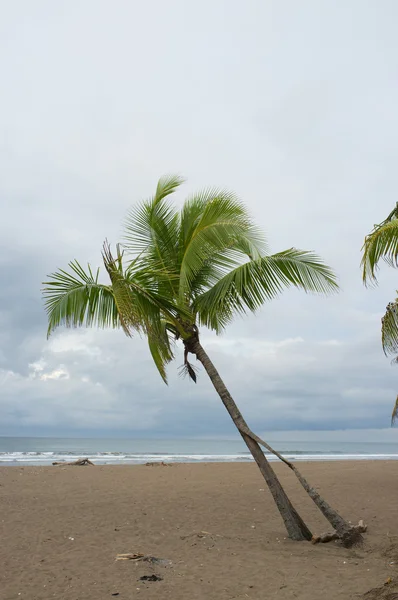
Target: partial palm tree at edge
<point x="382" y="244"/>
<point x="179" y="270"/>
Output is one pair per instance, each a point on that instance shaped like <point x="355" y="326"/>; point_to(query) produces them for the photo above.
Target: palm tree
<point x="179" y="270"/>
<point x="382" y="243"/>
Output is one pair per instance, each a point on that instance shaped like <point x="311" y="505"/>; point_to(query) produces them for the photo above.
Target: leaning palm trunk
<point x="294" y="524"/>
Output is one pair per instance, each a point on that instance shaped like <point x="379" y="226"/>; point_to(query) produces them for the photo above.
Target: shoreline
<point x="136" y="463"/>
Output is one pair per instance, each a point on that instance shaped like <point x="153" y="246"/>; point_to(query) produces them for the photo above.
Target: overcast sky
<point x="292" y="105"/>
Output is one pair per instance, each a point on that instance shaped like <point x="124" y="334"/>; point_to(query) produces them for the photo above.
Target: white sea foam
<point x="47" y="458"/>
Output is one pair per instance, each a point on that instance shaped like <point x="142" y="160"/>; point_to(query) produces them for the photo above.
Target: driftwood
<point x="81" y="462"/>
<point x="157" y="464"/>
<point x="138" y="557"/>
<point x="329" y="537"/>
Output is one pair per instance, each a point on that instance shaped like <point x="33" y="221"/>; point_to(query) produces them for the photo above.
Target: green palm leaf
<point x="140" y="305"/>
<point x="160" y="348"/>
<point x="151" y="233"/>
<point x="248" y="286"/>
<point x="221" y="223"/>
<point x="194" y="217"/>
<point x="394" y="415"/>
<point x="381" y="243"/>
<point x="389" y="329"/>
<point x="152" y="225"/>
<point x="304" y="270"/>
<point x="77" y="298"/>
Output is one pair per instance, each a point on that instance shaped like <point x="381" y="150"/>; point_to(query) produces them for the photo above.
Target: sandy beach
<point x="62" y="528"/>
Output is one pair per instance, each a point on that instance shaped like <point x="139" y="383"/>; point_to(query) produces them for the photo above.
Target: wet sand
<point x="62" y="527"/>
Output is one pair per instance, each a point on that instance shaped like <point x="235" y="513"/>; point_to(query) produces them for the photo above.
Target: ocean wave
<point x="46" y="458"/>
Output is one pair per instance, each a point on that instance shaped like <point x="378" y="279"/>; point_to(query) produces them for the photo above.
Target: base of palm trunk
<point x="295" y="526"/>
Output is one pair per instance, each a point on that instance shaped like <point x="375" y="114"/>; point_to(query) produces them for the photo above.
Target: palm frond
<point x="140" y="305"/>
<point x="389" y="329"/>
<point x="213" y="270"/>
<point x="131" y="303"/>
<point x="160" y="348"/>
<point x="152" y="231"/>
<point x="221" y="224"/>
<point x="381" y="243"/>
<point x="192" y="213"/>
<point x="152" y="226"/>
<point x="248" y="286"/>
<point x="134" y="293"/>
<point x="304" y="270"/>
<point x="167" y="185"/>
<point x="76" y="299"/>
<point x="394" y="415"/>
<point x="142" y="309"/>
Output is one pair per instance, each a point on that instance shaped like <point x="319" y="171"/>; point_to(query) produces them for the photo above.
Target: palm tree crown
<point x="178" y="270"/>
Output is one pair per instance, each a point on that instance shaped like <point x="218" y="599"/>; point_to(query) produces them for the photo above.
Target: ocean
<point x="43" y="451"/>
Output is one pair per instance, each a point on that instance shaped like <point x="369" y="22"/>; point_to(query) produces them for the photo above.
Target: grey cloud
<point x="292" y="105"/>
<point x="96" y="380"/>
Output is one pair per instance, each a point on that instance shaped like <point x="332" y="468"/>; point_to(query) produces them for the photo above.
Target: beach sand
<point x="62" y="527"/>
